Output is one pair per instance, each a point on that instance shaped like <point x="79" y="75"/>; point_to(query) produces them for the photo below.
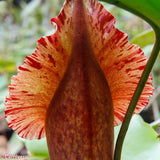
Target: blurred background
<point x="23" y="22"/>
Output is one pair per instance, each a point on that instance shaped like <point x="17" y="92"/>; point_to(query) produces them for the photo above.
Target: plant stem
<point x="136" y="96"/>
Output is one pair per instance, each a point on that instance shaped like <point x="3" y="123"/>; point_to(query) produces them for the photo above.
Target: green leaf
<point x="147" y="9"/>
<point x="7" y="66"/>
<point x="37" y="148"/>
<point x="144" y="39"/>
<point x="141" y="142"/>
